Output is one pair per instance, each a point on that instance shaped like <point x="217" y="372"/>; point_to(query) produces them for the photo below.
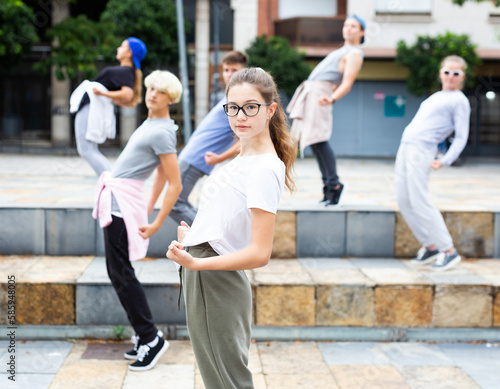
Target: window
<point x="494" y="14"/>
<point x="403" y="6"/>
<point x="301" y="8"/>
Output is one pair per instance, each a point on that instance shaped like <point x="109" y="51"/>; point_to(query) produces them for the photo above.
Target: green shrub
<point x="462" y="2"/>
<point x="276" y="56"/>
<point x="423" y="60"/>
<point x="152" y="21"/>
<point x="17" y="33"/>
<point x="80" y="43"/>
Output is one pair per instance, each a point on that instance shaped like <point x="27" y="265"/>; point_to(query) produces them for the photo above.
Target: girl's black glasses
<point x="249" y="109"/>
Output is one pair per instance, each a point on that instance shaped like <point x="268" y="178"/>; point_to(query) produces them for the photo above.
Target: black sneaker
<point x="325" y="198"/>
<point x="147" y="356"/>
<point x="334" y="196"/>
<point x="132" y="354"/>
<point x="425" y="257"/>
<point x="446" y="261"/>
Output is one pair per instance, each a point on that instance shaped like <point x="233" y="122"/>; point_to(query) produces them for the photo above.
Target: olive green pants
<point x="218" y="311"/>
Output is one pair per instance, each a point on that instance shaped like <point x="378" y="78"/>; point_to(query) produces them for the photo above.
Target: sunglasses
<point x="454" y="73"/>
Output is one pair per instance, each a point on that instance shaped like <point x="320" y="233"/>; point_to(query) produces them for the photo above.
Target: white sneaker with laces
<point x="132" y="354"/>
<point x="446" y="261"/>
<point x="425" y="257"/>
<point x="147" y="356"/>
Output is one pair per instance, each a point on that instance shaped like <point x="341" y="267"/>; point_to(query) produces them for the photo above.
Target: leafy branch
<point x="78" y="44"/>
<point x="424" y="57"/>
<point x="462" y="2"/>
<point x="286" y="64"/>
<point x="17" y="33"/>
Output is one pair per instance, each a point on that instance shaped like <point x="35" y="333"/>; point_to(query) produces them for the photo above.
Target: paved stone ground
<point x="45" y="180"/>
<point x="275" y="365"/>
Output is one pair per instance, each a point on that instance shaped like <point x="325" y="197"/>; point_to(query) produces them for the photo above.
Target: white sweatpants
<point x="413" y="168"/>
<point x="87" y="149"/>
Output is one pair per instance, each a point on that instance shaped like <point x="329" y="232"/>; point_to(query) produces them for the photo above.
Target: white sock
<point x="154" y="342"/>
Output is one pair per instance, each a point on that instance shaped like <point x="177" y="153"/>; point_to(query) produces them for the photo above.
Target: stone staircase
<point x="307" y="298"/>
<point x="334" y="273"/>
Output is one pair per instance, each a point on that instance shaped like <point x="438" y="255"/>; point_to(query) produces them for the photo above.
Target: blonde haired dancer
<point x="123" y="211"/>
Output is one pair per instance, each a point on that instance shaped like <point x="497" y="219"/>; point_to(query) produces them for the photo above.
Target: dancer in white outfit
<point x="122" y="85"/>
<point x="438" y="116"/>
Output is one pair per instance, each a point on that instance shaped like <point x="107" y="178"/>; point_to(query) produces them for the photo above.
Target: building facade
<point x="368" y="122"/>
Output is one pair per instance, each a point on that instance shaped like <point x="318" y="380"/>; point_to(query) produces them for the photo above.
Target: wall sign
<point x="394" y="106"/>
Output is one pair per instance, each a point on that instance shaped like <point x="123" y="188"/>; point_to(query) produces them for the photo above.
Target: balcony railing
<point x="309" y="31"/>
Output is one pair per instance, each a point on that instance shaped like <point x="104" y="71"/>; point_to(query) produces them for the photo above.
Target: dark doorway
<point x="484" y="138"/>
<point x="24" y="106"/>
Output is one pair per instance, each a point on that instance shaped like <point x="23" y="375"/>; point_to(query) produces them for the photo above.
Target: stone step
<point x="371" y="293"/>
<point x="313" y="231"/>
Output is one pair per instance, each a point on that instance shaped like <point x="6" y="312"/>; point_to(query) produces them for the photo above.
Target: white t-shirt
<point x="223" y="217"/>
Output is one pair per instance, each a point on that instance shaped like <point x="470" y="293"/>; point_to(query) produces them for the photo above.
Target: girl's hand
<point x="97" y="92"/>
<point x="325" y="100"/>
<point x="211" y="158"/>
<point x="147" y="231"/>
<point x="177" y="254"/>
<point x="182" y="231"/>
<point x="436" y="164"/>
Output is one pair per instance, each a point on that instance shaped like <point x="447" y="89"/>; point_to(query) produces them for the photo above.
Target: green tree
<point x="153" y="21"/>
<point x="78" y="43"/>
<point x="424" y="58"/>
<point x="462" y="2"/>
<point x="286" y="64"/>
<point x="17" y="33"/>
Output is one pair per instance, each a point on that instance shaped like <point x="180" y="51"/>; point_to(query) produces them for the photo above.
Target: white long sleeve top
<point x="436" y="119"/>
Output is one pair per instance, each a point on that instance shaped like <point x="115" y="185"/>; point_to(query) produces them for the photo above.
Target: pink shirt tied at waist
<point x="130" y="197"/>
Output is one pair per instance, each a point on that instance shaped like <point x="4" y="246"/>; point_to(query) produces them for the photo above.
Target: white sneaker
<point x="132" y="354"/>
<point x="446" y="261"/>
<point x="147" y="356"/>
<point x="425" y="257"/>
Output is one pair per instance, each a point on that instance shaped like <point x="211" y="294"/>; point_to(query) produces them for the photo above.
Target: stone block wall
<point x="457" y="306"/>
<point x="496" y="308"/>
<point x="291" y="293"/>
<point x="298" y="234"/>
<point x="377" y="234"/>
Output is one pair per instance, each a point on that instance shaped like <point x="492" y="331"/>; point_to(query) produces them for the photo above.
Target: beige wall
<point x="60" y="120"/>
<point x="202" y="66"/>
<point x="245" y="22"/>
<point x="473" y="19"/>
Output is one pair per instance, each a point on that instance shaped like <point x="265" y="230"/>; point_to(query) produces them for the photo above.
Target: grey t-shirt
<point x="140" y="157"/>
<point x="328" y="69"/>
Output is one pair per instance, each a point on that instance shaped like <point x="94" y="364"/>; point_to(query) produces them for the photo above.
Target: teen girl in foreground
<point x="233" y="231"/>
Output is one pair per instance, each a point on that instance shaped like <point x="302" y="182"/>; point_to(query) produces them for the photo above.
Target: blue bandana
<point x="360" y="21"/>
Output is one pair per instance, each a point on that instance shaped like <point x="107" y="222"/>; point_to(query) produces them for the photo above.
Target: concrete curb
<point x="261" y="333"/>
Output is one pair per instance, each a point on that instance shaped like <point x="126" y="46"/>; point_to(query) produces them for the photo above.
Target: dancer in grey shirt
<point x="438" y="116"/>
<point x="311" y="104"/>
